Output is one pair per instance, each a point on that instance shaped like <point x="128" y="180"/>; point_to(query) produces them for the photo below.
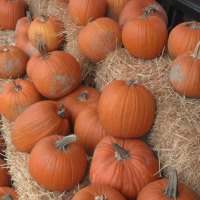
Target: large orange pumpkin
<point x="126" y="109"/>
<point x="145" y="37"/>
<point x="164" y="189"/>
<point x="55" y="74"/>
<point x="99" y="38"/>
<point x="47" y="29"/>
<point x="81" y="11"/>
<point x="10" y="12"/>
<point x="13" y="62"/>
<point x="16" y="97"/>
<point x="185" y="73"/>
<point x="21" y="33"/>
<point x="58" y="163"/>
<point x="38" y="121"/>
<point x="126" y="165"/>
<point x="89" y="129"/>
<point x="183" y="38"/>
<point x="4" y="176"/>
<point x="8" y="193"/>
<point x="98" y="192"/>
<point x="80" y="99"/>
<point x="135" y="9"/>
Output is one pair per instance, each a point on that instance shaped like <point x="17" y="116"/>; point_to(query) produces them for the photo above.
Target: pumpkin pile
<point x="63" y="131"/>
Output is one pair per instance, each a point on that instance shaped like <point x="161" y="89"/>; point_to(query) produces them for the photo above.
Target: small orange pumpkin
<point x="13" y="62"/>
<point x="61" y="165"/>
<point x="4" y="176"/>
<point x="185" y="73"/>
<point x="8" y="193"/>
<point x="99" y="38"/>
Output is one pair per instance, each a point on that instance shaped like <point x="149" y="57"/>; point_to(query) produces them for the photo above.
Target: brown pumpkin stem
<point x="6" y="197"/>
<point x="17" y="88"/>
<point x="44" y="18"/>
<point x="28" y="16"/>
<point x="102" y="197"/>
<point x="42" y="47"/>
<point x="90" y="20"/>
<point x="61" y="112"/>
<point x="131" y="82"/>
<point x="196" y="54"/>
<point x="120" y="153"/>
<point x="83" y="96"/>
<point x="64" y="142"/>
<point x="171" y="191"/>
<point x="193" y="25"/>
<point x="150" y="10"/>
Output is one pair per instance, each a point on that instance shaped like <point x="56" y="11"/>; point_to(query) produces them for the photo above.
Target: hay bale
<point x="175" y="135"/>
<point x="7" y="38"/>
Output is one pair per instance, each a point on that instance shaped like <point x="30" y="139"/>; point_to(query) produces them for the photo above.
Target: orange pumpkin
<point x="4" y="176"/>
<point x="8" y="193"/>
<point x="16" y="97"/>
<point x="183" y="38"/>
<point x="81" y="11"/>
<point x="11" y="12"/>
<point x="13" y="62"/>
<point x="54" y="74"/>
<point x="164" y="189"/>
<point x="21" y="33"/>
<point x="98" y="192"/>
<point x="135" y="9"/>
<point x="126" y="109"/>
<point x="48" y="30"/>
<point x="126" y="165"/>
<point x="79" y="100"/>
<point x="61" y="165"/>
<point x="185" y="73"/>
<point x="89" y="129"/>
<point x="39" y="120"/>
<point x="99" y="38"/>
<point x="145" y="37"/>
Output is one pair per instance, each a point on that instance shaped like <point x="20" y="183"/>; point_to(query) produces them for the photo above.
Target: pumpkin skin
<point x="55" y="74"/>
<point x="21" y="33"/>
<point x="38" y="121"/>
<point x="183" y="38"/>
<point x="99" y="38"/>
<point x="48" y="30"/>
<point x="129" y="174"/>
<point x="13" y="62"/>
<point x="16" y="97"/>
<point x="135" y="9"/>
<point x="57" y="169"/>
<point x="5" y="178"/>
<point x="89" y="129"/>
<point x="81" y="11"/>
<point x="8" y="192"/>
<point x="80" y="99"/>
<point x="126" y="110"/>
<point x="98" y="192"/>
<point x="11" y="12"/>
<point x="115" y="7"/>
<point x="145" y="37"/>
<point x="185" y="73"/>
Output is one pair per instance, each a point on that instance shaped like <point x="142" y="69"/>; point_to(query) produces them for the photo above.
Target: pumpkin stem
<point x="120" y="153"/>
<point x="44" y="18"/>
<point x="42" y="47"/>
<point x="6" y="197"/>
<point x="61" y="112"/>
<point x="150" y="10"/>
<point x="17" y="88"/>
<point x="28" y="16"/>
<point x="91" y="19"/>
<point x="5" y="50"/>
<point x="102" y="197"/>
<point x="132" y="82"/>
<point x="83" y="96"/>
<point x="171" y="191"/>
<point x="196" y="54"/>
<point x="64" y="142"/>
<point x="193" y="25"/>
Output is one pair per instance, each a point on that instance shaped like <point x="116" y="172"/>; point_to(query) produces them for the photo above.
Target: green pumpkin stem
<point x="6" y="197"/>
<point x="28" y="16"/>
<point x="193" y="25"/>
<point x="171" y="191"/>
<point x="63" y="143"/>
<point x="42" y="47"/>
<point x="131" y="82"/>
<point x="196" y="54"/>
<point x="102" y="197"/>
<point x="120" y="153"/>
<point x="61" y="112"/>
<point x="83" y="96"/>
<point x="44" y="18"/>
<point x="17" y="88"/>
